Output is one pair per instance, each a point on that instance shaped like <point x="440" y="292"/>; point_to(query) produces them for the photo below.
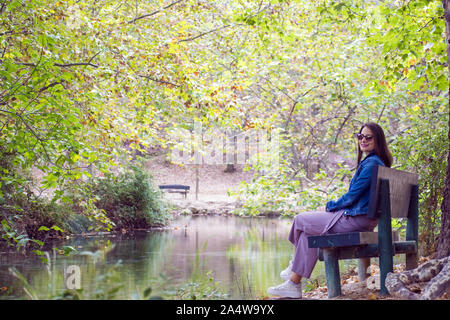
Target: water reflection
<point x="199" y="256"/>
<point x="236" y="250"/>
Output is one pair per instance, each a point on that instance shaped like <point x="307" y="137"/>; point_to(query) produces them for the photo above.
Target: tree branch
<point x="2" y="7"/>
<point x="347" y="117"/>
<point x="50" y="85"/>
<point x="66" y="65"/>
<point x="33" y="132"/>
<point x="205" y="33"/>
<point x="223" y="27"/>
<point x="157" y="80"/>
<point x="154" y="12"/>
<point x="295" y="103"/>
<point x="426" y="25"/>
<point x="62" y="65"/>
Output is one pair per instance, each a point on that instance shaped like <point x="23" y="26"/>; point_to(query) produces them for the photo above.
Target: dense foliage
<point x="128" y="200"/>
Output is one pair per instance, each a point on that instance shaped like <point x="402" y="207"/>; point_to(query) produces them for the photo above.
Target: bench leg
<point x="363" y="264"/>
<point x="386" y="266"/>
<point x="385" y="244"/>
<point x="332" y="272"/>
<point x="412" y="227"/>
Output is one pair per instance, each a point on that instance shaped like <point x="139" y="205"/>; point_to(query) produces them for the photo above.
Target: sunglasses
<point x="360" y="136"/>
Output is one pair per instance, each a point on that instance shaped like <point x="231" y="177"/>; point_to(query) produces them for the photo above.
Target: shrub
<point x="31" y="220"/>
<point x="129" y="199"/>
<point x="24" y="216"/>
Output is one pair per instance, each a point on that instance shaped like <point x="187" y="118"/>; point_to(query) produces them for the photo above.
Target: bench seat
<point x="345" y="239"/>
<point x="175" y="188"/>
<point x="393" y="194"/>
<point x="370" y="250"/>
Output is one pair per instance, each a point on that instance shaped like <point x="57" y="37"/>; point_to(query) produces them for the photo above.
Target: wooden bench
<point x="175" y="188"/>
<point x="393" y="194"/>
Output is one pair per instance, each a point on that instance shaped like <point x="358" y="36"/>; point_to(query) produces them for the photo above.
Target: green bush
<point x="24" y="216"/>
<point x="129" y="199"/>
<point x="30" y="220"/>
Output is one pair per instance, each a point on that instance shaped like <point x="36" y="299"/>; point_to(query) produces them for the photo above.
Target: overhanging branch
<point x="66" y="65"/>
<point x="205" y="33"/>
<point x="74" y="64"/>
<point x="158" y="80"/>
<point x="154" y="12"/>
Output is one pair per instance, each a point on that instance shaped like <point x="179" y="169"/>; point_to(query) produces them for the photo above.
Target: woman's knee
<point x="303" y="217"/>
<point x="298" y="220"/>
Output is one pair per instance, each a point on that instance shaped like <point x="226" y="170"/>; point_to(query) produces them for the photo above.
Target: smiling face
<point x="367" y="143"/>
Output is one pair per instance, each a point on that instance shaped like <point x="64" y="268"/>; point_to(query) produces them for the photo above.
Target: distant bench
<point x="175" y="188"/>
<point x="393" y="193"/>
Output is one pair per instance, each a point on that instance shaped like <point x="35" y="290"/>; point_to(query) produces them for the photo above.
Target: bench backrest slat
<point x="174" y="186"/>
<point x="400" y="184"/>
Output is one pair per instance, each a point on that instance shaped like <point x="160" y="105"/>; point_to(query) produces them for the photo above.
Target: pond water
<point x="201" y="257"/>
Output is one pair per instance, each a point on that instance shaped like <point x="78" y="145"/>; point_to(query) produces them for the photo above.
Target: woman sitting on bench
<point x="347" y="214"/>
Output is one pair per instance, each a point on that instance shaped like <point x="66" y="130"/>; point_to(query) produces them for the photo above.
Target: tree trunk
<point x="231" y="151"/>
<point x="443" y="245"/>
<point x="230" y="168"/>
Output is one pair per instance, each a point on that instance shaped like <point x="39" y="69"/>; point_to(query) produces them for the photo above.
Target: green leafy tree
<point x="82" y="81"/>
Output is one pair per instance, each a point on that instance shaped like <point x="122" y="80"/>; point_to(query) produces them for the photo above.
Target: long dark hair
<point x="381" y="147"/>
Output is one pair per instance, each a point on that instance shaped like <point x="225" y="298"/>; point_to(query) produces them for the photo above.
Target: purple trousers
<point x="313" y="223"/>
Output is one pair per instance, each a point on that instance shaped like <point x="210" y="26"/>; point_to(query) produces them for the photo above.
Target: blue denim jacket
<point x="356" y="200"/>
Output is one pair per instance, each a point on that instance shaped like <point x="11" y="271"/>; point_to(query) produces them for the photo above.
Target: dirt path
<point x="213" y="184"/>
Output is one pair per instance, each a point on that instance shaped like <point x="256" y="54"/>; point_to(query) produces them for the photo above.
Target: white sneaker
<point x="287" y="273"/>
<point x="286" y="290"/>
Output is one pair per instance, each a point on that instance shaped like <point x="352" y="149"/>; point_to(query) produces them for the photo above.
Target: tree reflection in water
<point x="198" y="257"/>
